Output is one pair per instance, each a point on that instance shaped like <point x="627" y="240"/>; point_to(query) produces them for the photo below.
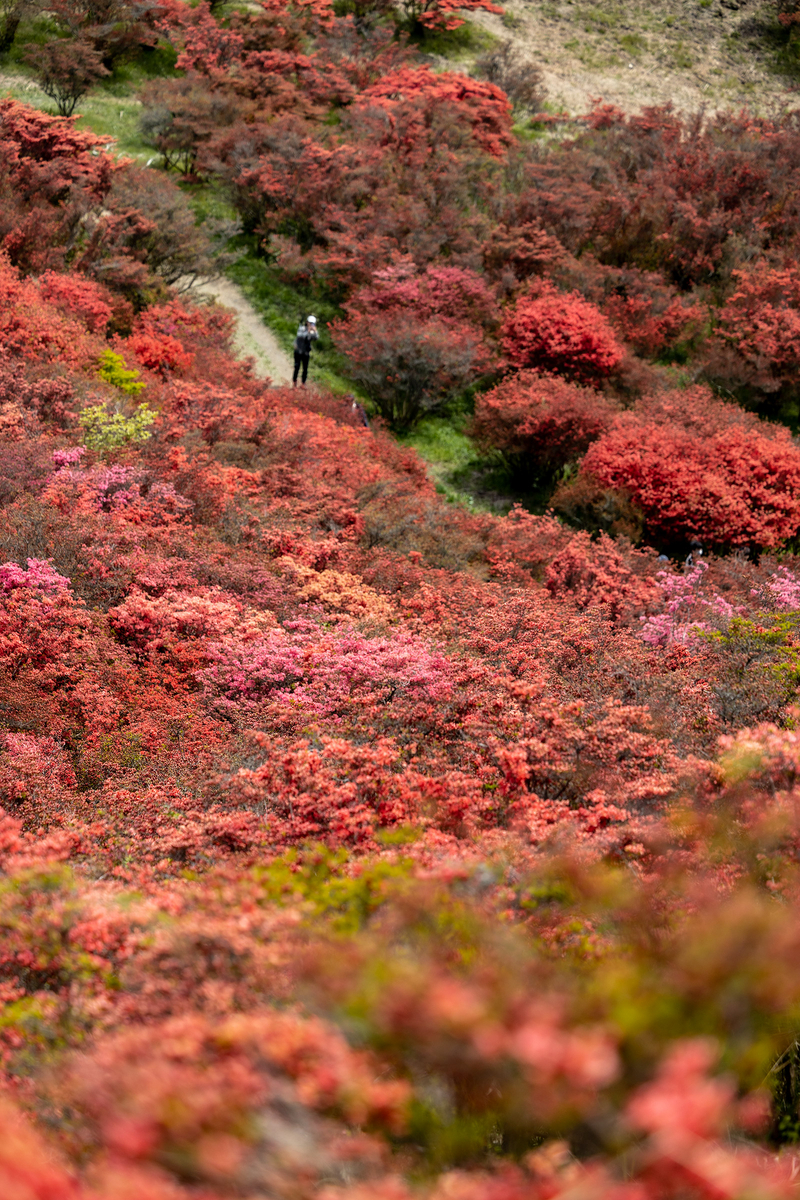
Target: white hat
<point x="312" y="320"/>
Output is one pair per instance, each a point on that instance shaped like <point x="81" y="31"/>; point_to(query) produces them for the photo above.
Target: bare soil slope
<point x="695" y="53"/>
<point x="252" y="339"/>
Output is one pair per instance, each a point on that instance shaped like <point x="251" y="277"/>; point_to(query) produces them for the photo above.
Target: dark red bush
<point x="544" y="420"/>
<point x="408" y="365"/>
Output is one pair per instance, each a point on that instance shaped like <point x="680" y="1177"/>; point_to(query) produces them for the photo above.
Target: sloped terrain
<point x="355" y="845"/>
<point x="694" y="55"/>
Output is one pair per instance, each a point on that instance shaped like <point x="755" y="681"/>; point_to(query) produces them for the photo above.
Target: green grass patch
<point x="456" y="44"/>
<point x="211" y="201"/>
<point x="39" y="30"/>
<point x="115" y="117"/>
<point x="783" y="49"/>
<point x="633" y="43"/>
<point x="20" y="85"/>
<point x="599" y="20"/>
<point x="680" y="58"/>
<point x="156" y="62"/>
<point x="459" y="470"/>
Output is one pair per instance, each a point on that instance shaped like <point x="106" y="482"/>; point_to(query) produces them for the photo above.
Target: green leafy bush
<point x="113" y="371"/>
<point x="104" y="431"/>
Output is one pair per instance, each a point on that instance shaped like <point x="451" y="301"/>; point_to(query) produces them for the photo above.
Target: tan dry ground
<point x="252" y="338"/>
<point x="693" y="53"/>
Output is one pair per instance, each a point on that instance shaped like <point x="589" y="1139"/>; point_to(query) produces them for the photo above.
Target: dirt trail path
<point x="252" y="337"/>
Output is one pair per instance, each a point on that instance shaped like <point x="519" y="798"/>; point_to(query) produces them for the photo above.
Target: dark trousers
<point x="298" y="360"/>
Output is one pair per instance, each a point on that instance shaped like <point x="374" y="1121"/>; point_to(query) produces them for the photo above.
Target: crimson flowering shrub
<point x="42" y="626"/>
<point x="205" y="1091"/>
<point x="757" y="331"/>
<point x="652" y="322"/>
<point x="693" y="198"/>
<point x="198" y="328"/>
<point x="120" y="489"/>
<point x="177" y="630"/>
<point x="164" y="354"/>
<point x="700" y="413"/>
<point x="34" y="329"/>
<point x="47" y="164"/>
<point x="22" y="389"/>
<point x="485" y="107"/>
<point x="452" y="292"/>
<point x="89" y="301"/>
<point x="329" y="207"/>
<point x="66" y="69"/>
<point x="734" y="488"/>
<point x="597" y="576"/>
<point x="542" y="421"/>
<point x="565" y="334"/>
<point x="66" y="198"/>
<point x="413" y="337"/>
<point x="648" y="312"/>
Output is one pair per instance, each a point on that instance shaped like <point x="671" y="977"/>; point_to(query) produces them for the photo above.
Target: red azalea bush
<point x="452" y="292"/>
<point x="163" y="354"/>
<point x="596" y="575"/>
<point x="484" y="106"/>
<point x="759" y="327"/>
<point x="736" y="487"/>
<point x="552" y="331"/>
<point x="651" y="322"/>
<point x="33" y="328"/>
<point x="25" y="387"/>
<point x="545" y="421"/>
<point x="648" y="312"/>
<point x="700" y="413"/>
<point x="89" y="301"/>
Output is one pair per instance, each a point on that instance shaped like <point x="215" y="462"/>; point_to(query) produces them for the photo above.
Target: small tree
<point x="504" y="66"/>
<point x="11" y="14"/>
<point x="423" y="15"/>
<point x="66" y="68"/>
<point x="406" y="365"/>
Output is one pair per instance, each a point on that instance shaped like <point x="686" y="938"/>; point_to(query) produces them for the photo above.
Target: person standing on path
<point x="306" y="334"/>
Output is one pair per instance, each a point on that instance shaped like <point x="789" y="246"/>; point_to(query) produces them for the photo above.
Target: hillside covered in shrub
<point x="355" y="845"/>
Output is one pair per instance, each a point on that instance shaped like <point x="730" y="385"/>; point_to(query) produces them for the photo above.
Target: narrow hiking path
<point x="252" y="338"/>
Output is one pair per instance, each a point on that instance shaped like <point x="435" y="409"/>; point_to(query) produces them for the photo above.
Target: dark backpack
<point x="302" y="343"/>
